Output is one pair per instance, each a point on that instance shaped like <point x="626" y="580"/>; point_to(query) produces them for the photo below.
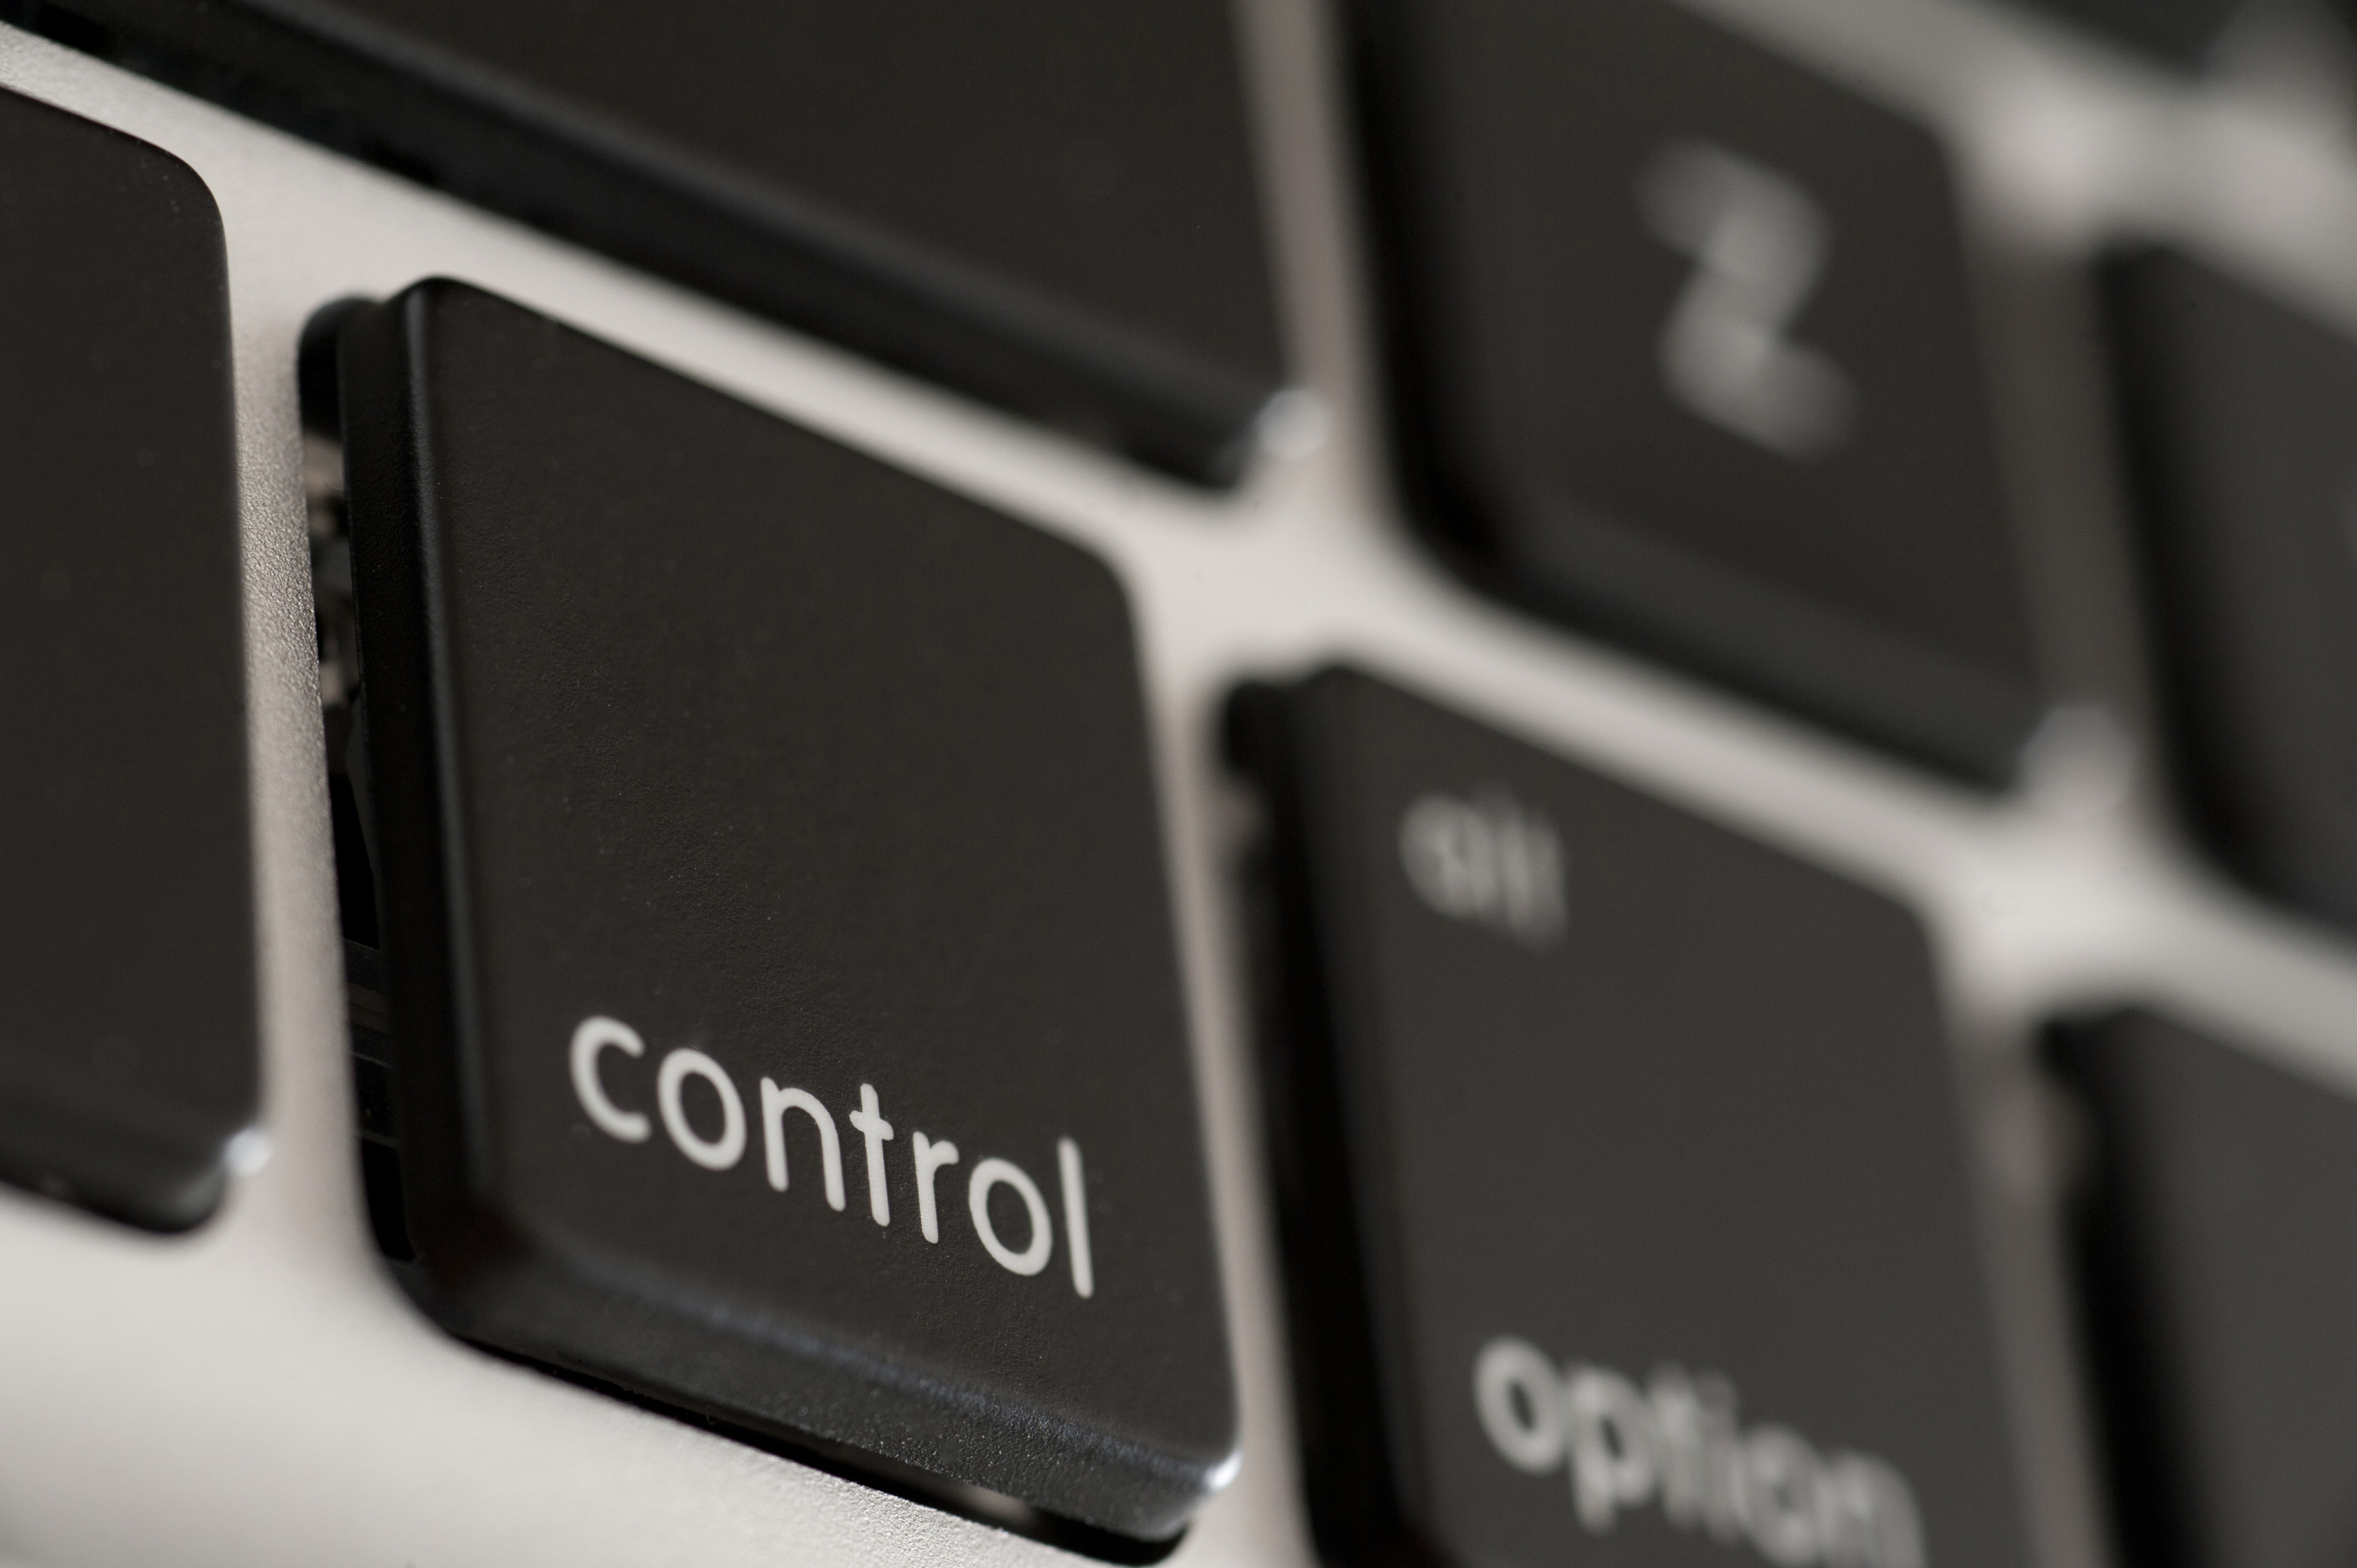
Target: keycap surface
<point x="1684" y="354"/>
<point x="2214" y="1245"/>
<point x="2238" y="413"/>
<point x="1602" y="1135"/>
<point x="1051" y="205"/>
<point x="127" y="1008"/>
<point x="715" y="765"/>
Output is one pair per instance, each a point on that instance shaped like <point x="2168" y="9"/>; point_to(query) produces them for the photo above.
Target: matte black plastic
<point x="127" y="1006"/>
<point x="1552" y="1063"/>
<point x="2242" y="419"/>
<point x="1050" y="204"/>
<point x="684" y="718"/>
<point x="2220" y="1285"/>
<point x="1600" y="221"/>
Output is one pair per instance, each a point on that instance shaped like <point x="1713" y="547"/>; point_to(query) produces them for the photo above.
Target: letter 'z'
<point x="1758" y="245"/>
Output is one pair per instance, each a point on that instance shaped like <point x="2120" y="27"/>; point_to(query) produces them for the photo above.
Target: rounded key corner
<point x="191" y="199"/>
<point x="316" y="359"/>
<point x="182" y="1207"/>
<point x="167" y="1188"/>
<point x="182" y="194"/>
<point x="1249" y="714"/>
<point x="197" y="1199"/>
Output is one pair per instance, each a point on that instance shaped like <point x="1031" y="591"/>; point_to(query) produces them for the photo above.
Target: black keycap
<point x="127" y="1007"/>
<point x="2221" y="1286"/>
<point x="2242" y="421"/>
<point x="2178" y="31"/>
<point x="784" y="1016"/>
<point x="1624" y="1199"/>
<point x="1686" y="355"/>
<point x="1049" y="205"/>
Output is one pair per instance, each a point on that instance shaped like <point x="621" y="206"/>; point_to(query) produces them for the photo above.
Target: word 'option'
<point x="1678" y="1442"/>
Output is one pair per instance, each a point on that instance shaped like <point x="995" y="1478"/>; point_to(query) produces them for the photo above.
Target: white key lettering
<point x="1487" y="860"/>
<point x="722" y="1150"/>
<point x="1677" y="1443"/>
<point x="1758" y="244"/>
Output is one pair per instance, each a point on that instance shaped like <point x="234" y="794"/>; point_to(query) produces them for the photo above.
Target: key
<point x="2180" y="32"/>
<point x="783" y="1018"/>
<point x="1623" y="1194"/>
<point x="2219" y="1288"/>
<point x="1050" y="206"/>
<point x="1685" y="356"/>
<point x="2238" y="412"/>
<point x="127" y="1006"/>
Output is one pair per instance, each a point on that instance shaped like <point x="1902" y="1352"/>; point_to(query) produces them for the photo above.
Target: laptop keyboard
<point x="1345" y="781"/>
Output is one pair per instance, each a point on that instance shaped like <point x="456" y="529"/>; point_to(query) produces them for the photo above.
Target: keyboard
<point x="1347" y="781"/>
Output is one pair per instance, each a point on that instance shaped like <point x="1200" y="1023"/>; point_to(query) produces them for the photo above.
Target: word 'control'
<point x="722" y="1150"/>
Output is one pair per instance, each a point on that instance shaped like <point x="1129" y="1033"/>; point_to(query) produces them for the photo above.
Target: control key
<point x="785" y="1020"/>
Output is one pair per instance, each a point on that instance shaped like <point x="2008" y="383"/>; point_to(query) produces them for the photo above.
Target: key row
<point x="765" y="998"/>
<point x="1684" y="330"/>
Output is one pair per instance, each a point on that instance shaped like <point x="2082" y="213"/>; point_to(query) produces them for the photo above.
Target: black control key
<point x="1687" y="356"/>
<point x="2242" y="416"/>
<point x="127" y="1006"/>
<point x="784" y="1016"/>
<point x="1624" y="1197"/>
<point x="1049" y="205"/>
<point x="2221" y="1283"/>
